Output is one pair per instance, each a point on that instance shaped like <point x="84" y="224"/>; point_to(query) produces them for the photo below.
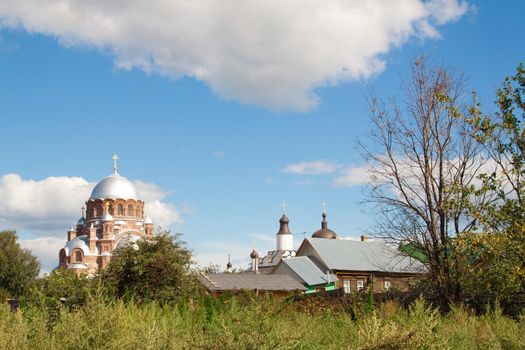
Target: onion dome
<point x="284" y="229"/>
<point x="254" y="254"/>
<point x="114" y="186"/>
<point x="324" y="232"/>
<point x="229" y="264"/>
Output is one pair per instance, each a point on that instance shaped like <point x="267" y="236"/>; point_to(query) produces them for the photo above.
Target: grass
<point x="246" y="323"/>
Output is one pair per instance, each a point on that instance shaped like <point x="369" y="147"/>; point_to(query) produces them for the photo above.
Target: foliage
<point x="500" y="253"/>
<point x="247" y="322"/>
<point x="18" y="267"/>
<point x="61" y="289"/>
<point x="157" y="268"/>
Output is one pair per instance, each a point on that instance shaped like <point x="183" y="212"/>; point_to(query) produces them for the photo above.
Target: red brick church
<point x="114" y="216"/>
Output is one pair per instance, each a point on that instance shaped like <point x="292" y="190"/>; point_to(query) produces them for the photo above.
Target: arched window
<point x="120" y="210"/>
<point x="138" y="212"/>
<point x="110" y="209"/>
<point x="130" y="210"/>
<point x="78" y="256"/>
<point x="98" y="210"/>
<point x="62" y="257"/>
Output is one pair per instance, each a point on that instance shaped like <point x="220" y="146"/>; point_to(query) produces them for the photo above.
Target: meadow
<point x="246" y="322"/>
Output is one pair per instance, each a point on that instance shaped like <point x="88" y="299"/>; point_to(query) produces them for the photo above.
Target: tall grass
<point x="248" y="323"/>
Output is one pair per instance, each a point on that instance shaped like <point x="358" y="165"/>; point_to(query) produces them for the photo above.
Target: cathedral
<point x="113" y="216"/>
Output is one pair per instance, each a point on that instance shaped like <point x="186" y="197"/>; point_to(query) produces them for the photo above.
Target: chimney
<point x="364" y="238"/>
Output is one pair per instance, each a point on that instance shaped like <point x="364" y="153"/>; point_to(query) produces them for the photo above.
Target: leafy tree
<point x="500" y="259"/>
<point x="157" y="268"/>
<point x="61" y="287"/>
<point x="18" y="267"/>
<point x="423" y="166"/>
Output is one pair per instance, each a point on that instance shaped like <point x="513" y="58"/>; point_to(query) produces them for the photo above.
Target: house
<point x="350" y="264"/>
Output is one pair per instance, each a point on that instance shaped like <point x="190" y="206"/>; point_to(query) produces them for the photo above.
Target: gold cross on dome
<point x="115" y="158"/>
<point x="324" y="207"/>
<point x="284" y="207"/>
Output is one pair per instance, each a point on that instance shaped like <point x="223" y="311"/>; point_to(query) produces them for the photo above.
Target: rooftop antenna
<point x="115" y="158"/>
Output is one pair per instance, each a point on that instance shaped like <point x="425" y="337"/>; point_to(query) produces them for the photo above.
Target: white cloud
<point x="271" y="53"/>
<point x="352" y="176"/>
<point x="42" y="205"/>
<point x="51" y="205"/>
<point x="444" y="11"/>
<point x="320" y="167"/>
<point x="45" y="249"/>
<point x="163" y="214"/>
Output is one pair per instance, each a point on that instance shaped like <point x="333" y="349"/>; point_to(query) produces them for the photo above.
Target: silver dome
<point x="114" y="186"/>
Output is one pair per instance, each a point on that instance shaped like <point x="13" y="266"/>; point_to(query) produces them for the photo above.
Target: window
<point x="98" y="210"/>
<point x="138" y="212"/>
<point x="130" y="210"/>
<point x="346" y="286"/>
<point x="387" y="285"/>
<point x="360" y="285"/>
<point x="62" y="256"/>
<point x="78" y="256"/>
<point x="120" y="210"/>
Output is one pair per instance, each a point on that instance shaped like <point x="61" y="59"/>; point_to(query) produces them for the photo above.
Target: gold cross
<point x="324" y="207"/>
<point x="284" y="207"/>
<point x="115" y="158"/>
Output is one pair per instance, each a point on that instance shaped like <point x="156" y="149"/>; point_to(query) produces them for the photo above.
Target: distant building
<point x="114" y="216"/>
<point x="218" y="283"/>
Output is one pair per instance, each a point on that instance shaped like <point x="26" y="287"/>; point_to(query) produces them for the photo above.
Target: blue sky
<point x="218" y="148"/>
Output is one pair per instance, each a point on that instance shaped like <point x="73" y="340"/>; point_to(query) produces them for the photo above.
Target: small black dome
<point x="324" y="232"/>
<point x="254" y="254"/>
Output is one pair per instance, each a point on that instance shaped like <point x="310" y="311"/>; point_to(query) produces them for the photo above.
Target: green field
<point x="246" y="322"/>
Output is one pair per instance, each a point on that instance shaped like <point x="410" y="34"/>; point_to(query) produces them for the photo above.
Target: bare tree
<point x="423" y="165"/>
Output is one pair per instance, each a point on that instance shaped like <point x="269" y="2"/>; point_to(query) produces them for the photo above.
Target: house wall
<point x="398" y="282"/>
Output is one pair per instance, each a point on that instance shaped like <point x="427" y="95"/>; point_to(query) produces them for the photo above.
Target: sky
<point x="218" y="111"/>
